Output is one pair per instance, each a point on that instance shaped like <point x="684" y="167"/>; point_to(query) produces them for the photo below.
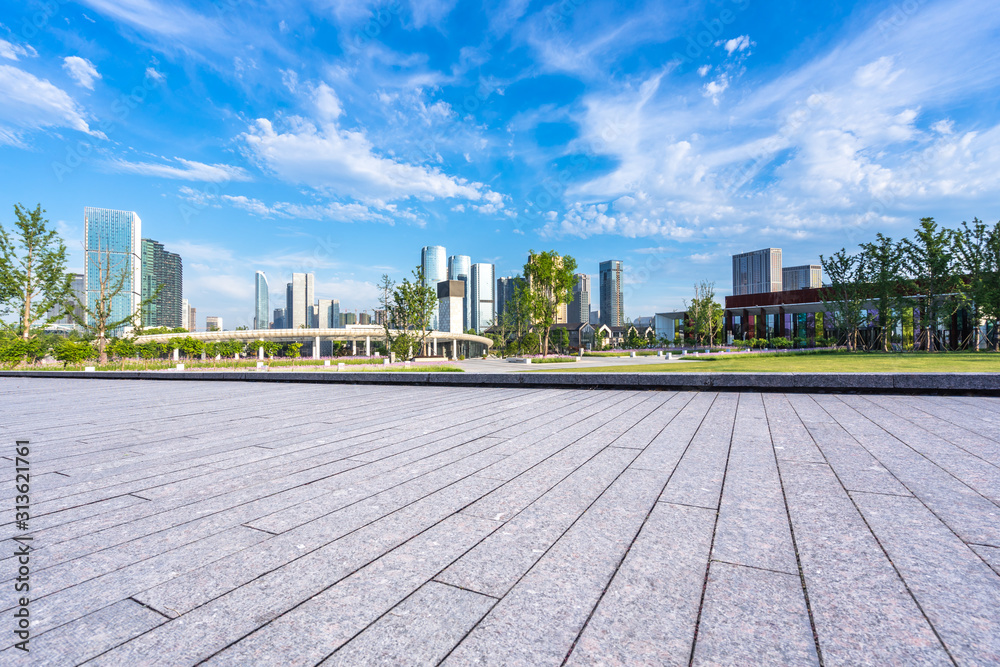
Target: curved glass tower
<point x="434" y="265"/>
<point x="261" y="305"/>
<point x="460" y="268"/>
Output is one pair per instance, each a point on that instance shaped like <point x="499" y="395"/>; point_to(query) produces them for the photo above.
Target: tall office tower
<point x="192" y="318"/>
<point x="578" y="310"/>
<point x="113" y="239"/>
<point x="299" y="301"/>
<point x="807" y="276"/>
<point x="185" y="314"/>
<point x="213" y="323"/>
<point x="612" y="302"/>
<point x="757" y="272"/>
<point x="61" y="311"/>
<point x="335" y="314"/>
<point x="261" y="306"/>
<point x="161" y="270"/>
<point x="435" y="269"/>
<point x="329" y="314"/>
<point x="460" y="268"/>
<point x="279" y="319"/>
<point x="482" y="298"/>
<point x="504" y="293"/>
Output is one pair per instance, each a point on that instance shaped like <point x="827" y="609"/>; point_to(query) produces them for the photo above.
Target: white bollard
<point x="326" y="362"/>
<point x="385" y="362"/>
<point x="260" y="364"/>
<point x="632" y="354"/>
<point x="89" y="369"/>
<point x="180" y="367"/>
<point x="341" y="367"/>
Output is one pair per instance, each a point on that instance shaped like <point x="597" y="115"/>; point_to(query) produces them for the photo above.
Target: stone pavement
<point x="176" y="523"/>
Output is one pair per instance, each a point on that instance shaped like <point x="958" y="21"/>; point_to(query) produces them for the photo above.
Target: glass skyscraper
<point x="612" y="302"/>
<point x="460" y="268"/>
<point x="161" y="270"/>
<point x="261" y="306"/>
<point x="504" y="293"/>
<point x="482" y="296"/>
<point x="113" y="250"/>
<point x="434" y="265"/>
<point x="299" y="301"/>
<point x="578" y="311"/>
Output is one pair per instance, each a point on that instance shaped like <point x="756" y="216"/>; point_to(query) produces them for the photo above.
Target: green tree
<point x="600" y="339"/>
<point x="73" y="352"/>
<point x="972" y="254"/>
<point x="931" y="263"/>
<point x="991" y="303"/>
<point x="33" y="278"/>
<point x="883" y="272"/>
<point x="560" y="338"/>
<point x="97" y="319"/>
<point x="704" y="313"/>
<point x="409" y="307"/>
<point x="550" y="283"/>
<point x="293" y="350"/>
<point x="122" y="348"/>
<point x="188" y="346"/>
<point x="151" y="350"/>
<point x="844" y="298"/>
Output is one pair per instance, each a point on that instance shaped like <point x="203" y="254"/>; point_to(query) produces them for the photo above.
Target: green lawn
<point x="817" y="362"/>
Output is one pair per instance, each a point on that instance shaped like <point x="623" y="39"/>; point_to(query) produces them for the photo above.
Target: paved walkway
<point x="239" y="524"/>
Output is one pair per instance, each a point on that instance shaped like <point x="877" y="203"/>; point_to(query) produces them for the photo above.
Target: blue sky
<point x="340" y="137"/>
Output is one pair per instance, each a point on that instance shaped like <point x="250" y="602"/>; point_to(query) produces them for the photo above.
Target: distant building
<point x="213" y="323"/>
<point x="348" y="318"/>
<point x="612" y="301"/>
<point x="460" y="268"/>
<point x="504" y="293"/>
<point x="261" y="305"/>
<point x="113" y="240"/>
<point x="161" y="270"/>
<point x="279" y="319"/>
<point x="380" y="316"/>
<point x="185" y="315"/>
<point x="482" y="300"/>
<point x="79" y="295"/>
<point x="578" y="310"/>
<point x="364" y="318"/>
<point x="329" y="314"/>
<point x="595" y="317"/>
<point x="757" y="272"/>
<point x="299" y="300"/>
<point x="807" y="276"/>
<point x="192" y="319"/>
<point x="433" y="263"/>
<point x="451" y="296"/>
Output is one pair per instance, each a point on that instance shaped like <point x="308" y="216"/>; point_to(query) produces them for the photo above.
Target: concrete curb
<point x="980" y="384"/>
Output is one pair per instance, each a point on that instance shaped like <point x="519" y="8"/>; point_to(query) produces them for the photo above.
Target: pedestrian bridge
<point x="360" y="338"/>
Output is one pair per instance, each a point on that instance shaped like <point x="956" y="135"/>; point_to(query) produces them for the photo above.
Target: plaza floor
<point x="178" y="523"/>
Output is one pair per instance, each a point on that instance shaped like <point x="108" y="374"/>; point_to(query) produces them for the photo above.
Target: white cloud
<point x="184" y="170"/>
<point x="13" y="51"/>
<point x="31" y="103"/>
<point x="737" y="44"/>
<point x="325" y="156"/>
<point x="704" y="70"/>
<point x="81" y="70"/>
<point x="155" y="75"/>
<point x="713" y="89"/>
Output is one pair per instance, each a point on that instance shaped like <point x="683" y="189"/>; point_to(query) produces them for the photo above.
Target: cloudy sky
<point x="339" y="137"/>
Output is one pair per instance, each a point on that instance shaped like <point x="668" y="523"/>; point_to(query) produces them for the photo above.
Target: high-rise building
<point x="213" y="323"/>
<point x="185" y="314"/>
<point x="578" y="310"/>
<point x="380" y="316"/>
<point x="279" y="319"/>
<point x="460" y="268"/>
<point x="595" y="317"/>
<point x="504" y="293"/>
<point x="364" y="318"/>
<point x="79" y="295"/>
<point x="261" y="305"/>
<point x="349" y="318"/>
<point x="299" y="301"/>
<point x="612" y="301"/>
<point x="329" y="314"/>
<point x="434" y="265"/>
<point x="482" y="298"/>
<point x="161" y="270"/>
<point x="192" y="318"/>
<point x="113" y="250"/>
<point x="451" y="297"/>
<point x="757" y="271"/>
<point x="807" y="276"/>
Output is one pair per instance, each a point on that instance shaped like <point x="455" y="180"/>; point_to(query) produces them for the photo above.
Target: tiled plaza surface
<point x="254" y="524"/>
